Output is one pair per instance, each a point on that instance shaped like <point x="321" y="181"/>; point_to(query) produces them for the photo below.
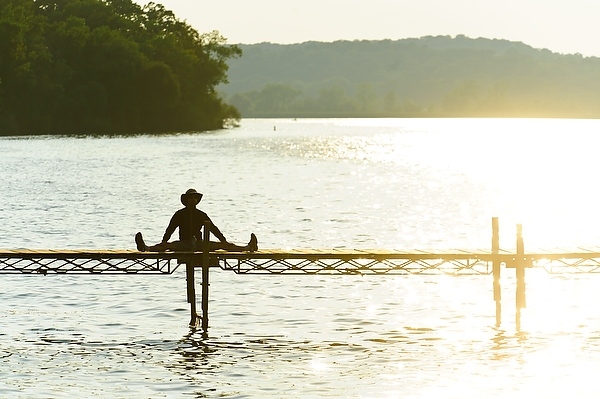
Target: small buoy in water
<point x="274" y="128"/>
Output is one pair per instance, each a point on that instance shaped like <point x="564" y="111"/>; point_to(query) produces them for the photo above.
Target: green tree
<point x="463" y="99"/>
<point x="365" y="96"/>
<point x="334" y="99"/>
<point x="107" y="66"/>
<point x="389" y="101"/>
<point x="245" y="102"/>
<point x="277" y="98"/>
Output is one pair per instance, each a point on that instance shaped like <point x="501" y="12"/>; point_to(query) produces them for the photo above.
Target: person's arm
<point x="170" y="229"/>
<point x="216" y="232"/>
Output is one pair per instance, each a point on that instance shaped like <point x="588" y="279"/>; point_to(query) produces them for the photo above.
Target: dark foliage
<point x="108" y="67"/>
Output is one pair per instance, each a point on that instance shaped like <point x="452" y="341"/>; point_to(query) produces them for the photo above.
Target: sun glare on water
<point x="538" y="172"/>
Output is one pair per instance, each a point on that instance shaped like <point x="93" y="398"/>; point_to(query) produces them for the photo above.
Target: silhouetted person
<point x="190" y="221"/>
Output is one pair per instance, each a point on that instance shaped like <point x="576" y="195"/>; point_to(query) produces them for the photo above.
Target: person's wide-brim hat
<point x="190" y="193"/>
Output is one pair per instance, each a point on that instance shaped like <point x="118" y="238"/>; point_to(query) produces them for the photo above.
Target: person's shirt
<point x="190" y="222"/>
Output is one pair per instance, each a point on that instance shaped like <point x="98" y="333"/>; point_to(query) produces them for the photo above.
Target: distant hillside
<point x="429" y="76"/>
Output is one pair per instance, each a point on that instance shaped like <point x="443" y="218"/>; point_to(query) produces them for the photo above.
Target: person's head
<point x="191" y="197"/>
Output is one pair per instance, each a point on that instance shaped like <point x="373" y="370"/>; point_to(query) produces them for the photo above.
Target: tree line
<point x="429" y="76"/>
<point x="280" y="99"/>
<point x="109" y="67"/>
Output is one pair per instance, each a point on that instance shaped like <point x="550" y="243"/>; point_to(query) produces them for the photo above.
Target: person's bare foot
<point x="253" y="244"/>
<point x="139" y="242"/>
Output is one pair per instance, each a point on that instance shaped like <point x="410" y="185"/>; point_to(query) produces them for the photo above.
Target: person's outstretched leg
<point x="142" y="247"/>
<point x="159" y="248"/>
<point x="227" y="246"/>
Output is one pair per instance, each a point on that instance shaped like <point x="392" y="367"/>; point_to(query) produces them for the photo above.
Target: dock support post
<point x="520" y="275"/>
<point x="205" y="270"/>
<point x="191" y="290"/>
<point x="496" y="269"/>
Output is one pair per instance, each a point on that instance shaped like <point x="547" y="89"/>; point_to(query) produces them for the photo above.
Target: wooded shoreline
<point x="439" y="76"/>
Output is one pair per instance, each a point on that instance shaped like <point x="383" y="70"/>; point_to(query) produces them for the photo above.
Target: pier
<point x="306" y="261"/>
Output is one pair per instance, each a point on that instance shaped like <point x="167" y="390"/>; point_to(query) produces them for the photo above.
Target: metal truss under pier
<point x="385" y="262"/>
<point x="353" y="262"/>
<point x="283" y="262"/>
<point x="85" y="262"/>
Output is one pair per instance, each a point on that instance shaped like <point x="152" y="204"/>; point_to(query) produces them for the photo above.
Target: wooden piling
<point x="521" y="302"/>
<point x="191" y="290"/>
<point x="205" y="273"/>
<point x="496" y="269"/>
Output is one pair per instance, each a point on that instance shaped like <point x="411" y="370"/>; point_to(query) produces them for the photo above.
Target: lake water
<point x="345" y="183"/>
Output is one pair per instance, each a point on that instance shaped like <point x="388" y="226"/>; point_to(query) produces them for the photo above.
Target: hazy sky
<point x="563" y="26"/>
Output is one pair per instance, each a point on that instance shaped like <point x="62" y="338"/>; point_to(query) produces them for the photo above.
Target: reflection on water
<point x="319" y="183"/>
<point x="397" y="337"/>
<point x="508" y="345"/>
